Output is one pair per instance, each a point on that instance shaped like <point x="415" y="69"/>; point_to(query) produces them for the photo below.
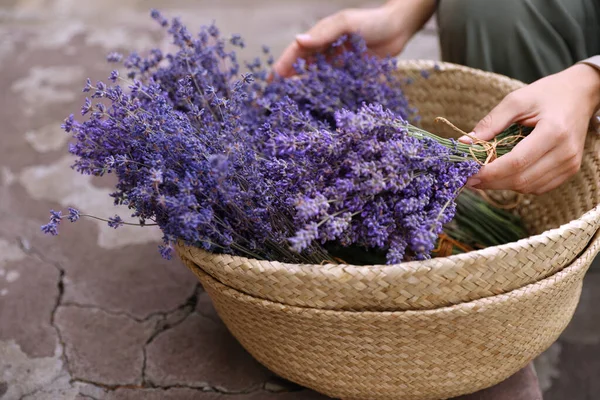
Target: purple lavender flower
<point x="158" y="17"/>
<point x="114" y="57"/>
<point x="88" y="86"/>
<point x="115" y="222"/>
<point x="56" y="217"/>
<point x="310" y="207"/>
<point x="166" y="251"/>
<point x="87" y="106"/>
<point x="114" y="75"/>
<point x="73" y="214"/>
<point x="109" y="162"/>
<point x="237" y="40"/>
<point x="100" y="89"/>
<point x="50" y="228"/>
<point x="213" y="31"/>
<point x="67" y="125"/>
<point x="304" y="237"/>
<point x="397" y="250"/>
<point x="156" y="176"/>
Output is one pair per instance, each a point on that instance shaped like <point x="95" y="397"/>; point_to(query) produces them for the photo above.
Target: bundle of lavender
<point x="288" y="169"/>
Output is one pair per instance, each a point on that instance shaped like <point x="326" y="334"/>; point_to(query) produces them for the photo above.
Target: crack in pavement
<point x="192" y="297"/>
<point x="107" y="311"/>
<point x="106" y="386"/>
<point x="28" y="249"/>
<point x="149" y="385"/>
<point x="206" y="387"/>
<point x="150" y="316"/>
<point x="188" y="307"/>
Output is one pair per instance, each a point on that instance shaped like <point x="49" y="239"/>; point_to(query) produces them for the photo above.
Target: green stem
<point x="121" y="222"/>
<point x="470" y="150"/>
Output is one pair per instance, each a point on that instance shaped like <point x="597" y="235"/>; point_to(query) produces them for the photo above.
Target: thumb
<point x="494" y="123"/>
<point x="327" y="30"/>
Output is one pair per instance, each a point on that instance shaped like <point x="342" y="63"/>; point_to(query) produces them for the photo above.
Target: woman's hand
<point x="386" y="30"/>
<point x="560" y="107"/>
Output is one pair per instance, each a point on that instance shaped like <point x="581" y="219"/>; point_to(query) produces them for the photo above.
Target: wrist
<point x="588" y="79"/>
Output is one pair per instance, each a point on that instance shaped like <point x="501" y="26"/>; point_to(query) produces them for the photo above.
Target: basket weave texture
<point x="431" y="329"/>
<point x="408" y="355"/>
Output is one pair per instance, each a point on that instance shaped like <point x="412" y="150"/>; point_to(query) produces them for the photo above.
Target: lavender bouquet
<point x="298" y="170"/>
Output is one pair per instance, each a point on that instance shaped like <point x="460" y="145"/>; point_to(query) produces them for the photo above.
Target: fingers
<point x="319" y="36"/>
<point x="568" y="167"/>
<point x="497" y="120"/>
<point x="537" y="176"/>
<point x="541" y="162"/>
<point x="553" y="184"/>
<point x="508" y="169"/>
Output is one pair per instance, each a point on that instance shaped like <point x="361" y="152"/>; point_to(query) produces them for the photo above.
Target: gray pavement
<point x="96" y="314"/>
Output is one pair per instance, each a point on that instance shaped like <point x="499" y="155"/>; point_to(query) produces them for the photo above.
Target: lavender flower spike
<point x="56" y="217"/>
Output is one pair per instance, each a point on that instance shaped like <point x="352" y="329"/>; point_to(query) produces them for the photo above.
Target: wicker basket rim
<point x="581" y="262"/>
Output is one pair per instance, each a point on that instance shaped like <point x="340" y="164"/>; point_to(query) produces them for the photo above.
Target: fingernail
<point x="466" y="139"/>
<point x="303" y="36"/>
<point x="473" y="182"/>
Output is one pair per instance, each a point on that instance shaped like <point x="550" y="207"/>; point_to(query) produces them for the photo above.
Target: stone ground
<point x="96" y="314"/>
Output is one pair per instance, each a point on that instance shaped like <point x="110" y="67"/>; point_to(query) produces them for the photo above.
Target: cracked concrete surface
<point x="96" y="314"/>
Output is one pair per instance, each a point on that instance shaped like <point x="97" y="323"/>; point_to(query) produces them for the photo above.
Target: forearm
<point x="413" y="14"/>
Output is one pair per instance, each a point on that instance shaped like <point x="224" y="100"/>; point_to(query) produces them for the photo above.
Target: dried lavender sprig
<point x="74" y="215"/>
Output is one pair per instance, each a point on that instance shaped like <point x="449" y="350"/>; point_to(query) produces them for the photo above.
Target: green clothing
<point x="523" y="39"/>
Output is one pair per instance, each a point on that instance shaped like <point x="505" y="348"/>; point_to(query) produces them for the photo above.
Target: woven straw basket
<point x="431" y="329"/>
